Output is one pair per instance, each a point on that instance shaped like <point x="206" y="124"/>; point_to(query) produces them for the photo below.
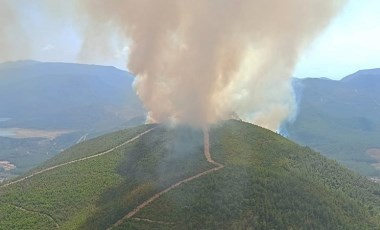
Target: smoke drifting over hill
<point x="199" y="61"/>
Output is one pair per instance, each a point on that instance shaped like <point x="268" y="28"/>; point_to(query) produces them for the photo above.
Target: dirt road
<point x="207" y="154"/>
<point x="78" y="160"/>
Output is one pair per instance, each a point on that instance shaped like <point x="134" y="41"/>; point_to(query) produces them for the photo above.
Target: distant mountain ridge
<point x="359" y="75"/>
<point x="338" y="118"/>
<point x="17" y="64"/>
<point x="35" y="92"/>
<point x="85" y="100"/>
<point x="341" y="119"/>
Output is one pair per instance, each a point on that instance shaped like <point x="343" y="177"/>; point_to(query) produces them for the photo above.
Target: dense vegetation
<point x="340" y="119"/>
<point x="268" y="182"/>
<point x="94" y="194"/>
<point x="10" y="213"/>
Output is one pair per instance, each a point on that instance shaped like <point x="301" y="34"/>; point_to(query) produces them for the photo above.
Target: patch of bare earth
<point x="6" y="165"/>
<point x="20" y="133"/>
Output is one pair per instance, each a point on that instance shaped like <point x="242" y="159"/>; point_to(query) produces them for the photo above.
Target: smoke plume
<point x="199" y="61"/>
<point x="13" y="41"/>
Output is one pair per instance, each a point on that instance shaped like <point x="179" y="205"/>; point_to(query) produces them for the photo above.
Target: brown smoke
<point x="199" y="61"/>
<point x="13" y="41"/>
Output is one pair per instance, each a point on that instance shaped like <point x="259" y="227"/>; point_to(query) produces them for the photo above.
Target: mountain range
<point x="340" y="119"/>
<point x="48" y="107"/>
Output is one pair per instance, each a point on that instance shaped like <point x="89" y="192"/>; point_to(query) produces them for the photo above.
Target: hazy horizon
<point x="124" y="69"/>
<point x="349" y="44"/>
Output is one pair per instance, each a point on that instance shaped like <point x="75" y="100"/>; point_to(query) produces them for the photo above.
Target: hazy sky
<point x="350" y="43"/>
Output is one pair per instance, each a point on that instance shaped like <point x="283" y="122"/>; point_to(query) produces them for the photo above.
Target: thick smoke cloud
<point x="13" y="39"/>
<point x="196" y="61"/>
<point x="27" y="25"/>
<point x="200" y="61"/>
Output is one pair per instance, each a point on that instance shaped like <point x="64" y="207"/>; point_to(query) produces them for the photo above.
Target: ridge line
<point x="206" y="140"/>
<point x="78" y="160"/>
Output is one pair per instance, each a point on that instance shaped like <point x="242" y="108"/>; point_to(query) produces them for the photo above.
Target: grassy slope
<point x="94" y="194"/>
<point x="10" y="213"/>
<point x="268" y="182"/>
<point x="74" y="189"/>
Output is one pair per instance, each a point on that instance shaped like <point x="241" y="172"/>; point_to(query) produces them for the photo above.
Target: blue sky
<point x="350" y="43"/>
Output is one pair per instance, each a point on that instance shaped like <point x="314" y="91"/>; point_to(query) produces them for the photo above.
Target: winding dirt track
<point x="150" y="200"/>
<point x="207" y="154"/>
<point x="67" y="163"/>
<point x="78" y="160"/>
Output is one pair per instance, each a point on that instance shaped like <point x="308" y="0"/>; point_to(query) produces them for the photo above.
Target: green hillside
<point x="340" y="119"/>
<point x="267" y="182"/>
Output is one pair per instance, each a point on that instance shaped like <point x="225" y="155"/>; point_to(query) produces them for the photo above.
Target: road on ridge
<point x="206" y="150"/>
<point x="78" y="160"/>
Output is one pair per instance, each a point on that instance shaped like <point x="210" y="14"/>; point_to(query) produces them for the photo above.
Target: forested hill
<point x="340" y="119"/>
<point x="266" y="182"/>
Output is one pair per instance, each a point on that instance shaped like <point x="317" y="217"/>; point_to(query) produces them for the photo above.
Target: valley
<point x="183" y="115"/>
<point x="19" y="133"/>
<point x="48" y="107"/>
<point x="337" y="118"/>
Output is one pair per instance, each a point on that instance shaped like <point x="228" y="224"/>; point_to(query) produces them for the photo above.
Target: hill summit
<point x="233" y="175"/>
